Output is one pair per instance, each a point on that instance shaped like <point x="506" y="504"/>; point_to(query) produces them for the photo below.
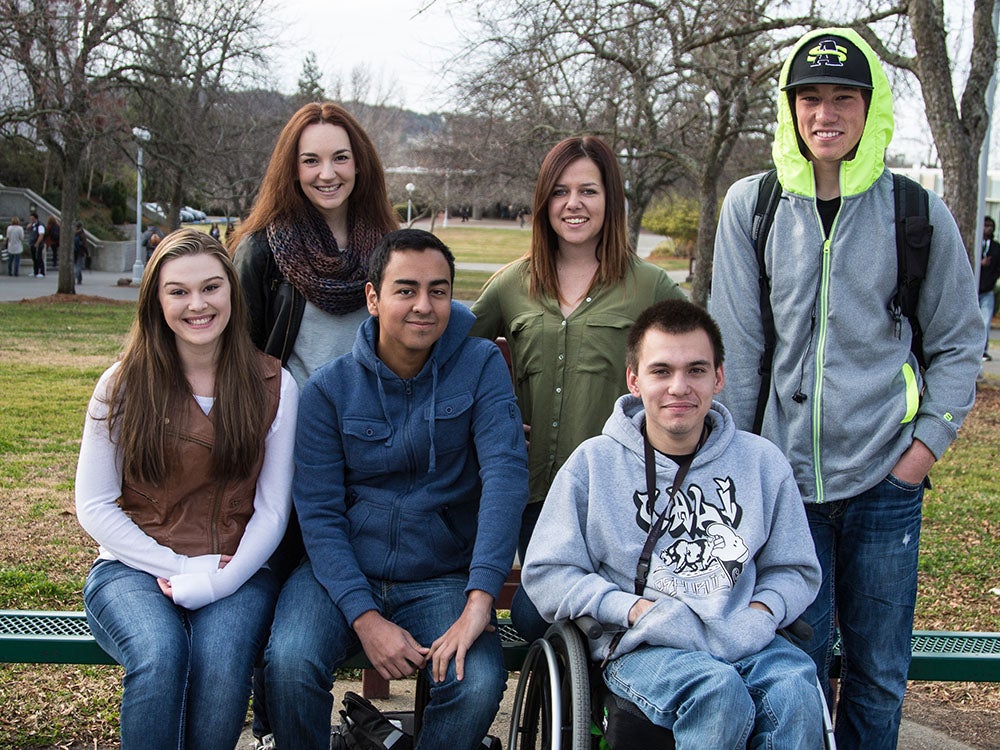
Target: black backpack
<point x="364" y="727"/>
<point x="913" y="246"/>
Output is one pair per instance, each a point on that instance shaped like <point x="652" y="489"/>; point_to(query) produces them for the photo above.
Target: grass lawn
<point x="53" y="353"/>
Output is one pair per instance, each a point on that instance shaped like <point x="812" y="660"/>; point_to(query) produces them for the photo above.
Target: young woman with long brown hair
<point x="184" y="480"/>
<point x="566" y="307"/>
<point x="302" y="254"/>
<point x="302" y="257"/>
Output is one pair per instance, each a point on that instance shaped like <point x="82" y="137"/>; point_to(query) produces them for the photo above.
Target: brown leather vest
<point x="192" y="513"/>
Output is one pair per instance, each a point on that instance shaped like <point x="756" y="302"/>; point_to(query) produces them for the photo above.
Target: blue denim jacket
<point x="405" y="480"/>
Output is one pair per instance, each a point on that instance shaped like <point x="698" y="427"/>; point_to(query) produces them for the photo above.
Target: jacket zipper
<point x="817" y="416"/>
<point x="824" y="313"/>
<point x="286" y="345"/>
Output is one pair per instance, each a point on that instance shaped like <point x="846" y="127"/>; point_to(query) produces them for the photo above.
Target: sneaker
<point x="987" y="357"/>
<point x="264" y="743"/>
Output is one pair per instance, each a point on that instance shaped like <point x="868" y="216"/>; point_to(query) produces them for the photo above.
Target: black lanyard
<point x="656" y="529"/>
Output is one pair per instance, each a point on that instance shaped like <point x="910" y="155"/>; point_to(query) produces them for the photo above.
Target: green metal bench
<point x="37" y="637"/>
<point x="34" y="637"/>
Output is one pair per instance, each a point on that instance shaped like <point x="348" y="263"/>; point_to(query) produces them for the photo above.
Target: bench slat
<point x="48" y="637"/>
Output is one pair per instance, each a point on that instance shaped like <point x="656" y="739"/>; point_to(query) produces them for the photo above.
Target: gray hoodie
<point x="736" y="533"/>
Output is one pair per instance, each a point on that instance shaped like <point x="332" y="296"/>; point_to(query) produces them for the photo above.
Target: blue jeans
<point x="867" y="547"/>
<point x="986" y="302"/>
<point x="769" y="698"/>
<point x="187" y="672"/>
<point x="14" y="264"/>
<point x="310" y="638"/>
<point x="523" y="614"/>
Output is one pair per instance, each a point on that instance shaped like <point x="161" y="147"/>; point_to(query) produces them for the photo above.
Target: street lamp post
<point x="141" y="135"/>
<point x="447" y="175"/>
<point x="625" y="163"/>
<point x="410" y="187"/>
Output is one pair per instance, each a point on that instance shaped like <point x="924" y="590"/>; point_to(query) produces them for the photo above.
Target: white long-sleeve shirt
<point x="196" y="580"/>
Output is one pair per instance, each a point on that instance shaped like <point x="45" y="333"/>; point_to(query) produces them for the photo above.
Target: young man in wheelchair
<point x="687" y="540"/>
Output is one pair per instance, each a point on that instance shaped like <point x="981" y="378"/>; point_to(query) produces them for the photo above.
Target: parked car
<point x="156" y="209"/>
<point x="198" y="215"/>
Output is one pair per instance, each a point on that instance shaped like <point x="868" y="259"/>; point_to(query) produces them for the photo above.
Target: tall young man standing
<point x="848" y="404"/>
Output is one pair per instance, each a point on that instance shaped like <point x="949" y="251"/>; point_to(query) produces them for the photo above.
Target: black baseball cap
<point x="829" y="59"/>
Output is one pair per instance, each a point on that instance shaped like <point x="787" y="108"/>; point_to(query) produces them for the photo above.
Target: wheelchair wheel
<point x="552" y="702"/>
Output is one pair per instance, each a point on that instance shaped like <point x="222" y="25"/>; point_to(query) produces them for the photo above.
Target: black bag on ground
<point x="364" y="727"/>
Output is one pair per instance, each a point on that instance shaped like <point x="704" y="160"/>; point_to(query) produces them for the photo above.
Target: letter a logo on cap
<point x="827" y="52"/>
<point x="832" y="59"/>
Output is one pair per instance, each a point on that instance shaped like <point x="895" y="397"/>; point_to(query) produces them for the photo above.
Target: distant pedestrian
<point x="150" y="239"/>
<point x="51" y="240"/>
<point x="214" y="231"/>
<point x="35" y="233"/>
<point x="80" y="252"/>
<point x="989" y="273"/>
<point x="15" y="246"/>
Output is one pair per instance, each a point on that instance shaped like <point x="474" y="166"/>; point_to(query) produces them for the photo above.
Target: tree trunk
<point x="707" y="218"/>
<point x="635" y="215"/>
<point x="70" y="204"/>
<point x="958" y="134"/>
<point x="176" y="197"/>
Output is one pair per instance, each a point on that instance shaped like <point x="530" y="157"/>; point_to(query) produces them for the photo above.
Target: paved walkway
<point x="105" y="284"/>
<point x="912" y="736"/>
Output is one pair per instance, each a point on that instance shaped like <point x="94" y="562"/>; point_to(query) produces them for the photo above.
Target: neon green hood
<point x="857" y="174"/>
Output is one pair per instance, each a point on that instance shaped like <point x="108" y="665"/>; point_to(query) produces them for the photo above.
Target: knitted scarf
<point x="307" y="254"/>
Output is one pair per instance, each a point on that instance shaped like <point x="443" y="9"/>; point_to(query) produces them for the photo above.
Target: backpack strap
<point x="768" y="195"/>
<point x="913" y="246"/>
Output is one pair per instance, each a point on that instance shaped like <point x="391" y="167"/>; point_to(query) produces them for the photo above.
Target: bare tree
<point x="193" y="52"/>
<point x="958" y="119"/>
<point x="675" y="84"/>
<point x="69" y="66"/>
<point x="374" y="101"/>
<point x="957" y="115"/>
<point x="247" y="126"/>
<point x="633" y="73"/>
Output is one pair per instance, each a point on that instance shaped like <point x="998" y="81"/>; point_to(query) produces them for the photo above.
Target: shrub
<point x="676" y="217"/>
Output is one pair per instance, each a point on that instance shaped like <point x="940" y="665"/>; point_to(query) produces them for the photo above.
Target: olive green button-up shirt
<point x="568" y="372"/>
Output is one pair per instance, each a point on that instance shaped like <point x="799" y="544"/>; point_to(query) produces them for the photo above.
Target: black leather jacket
<point x="275" y="305"/>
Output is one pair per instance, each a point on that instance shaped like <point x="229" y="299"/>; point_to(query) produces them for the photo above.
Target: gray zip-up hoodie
<point x="736" y="532"/>
<point x="865" y="400"/>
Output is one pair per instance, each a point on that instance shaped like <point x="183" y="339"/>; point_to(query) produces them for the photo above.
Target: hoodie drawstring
<point x="432" y="458"/>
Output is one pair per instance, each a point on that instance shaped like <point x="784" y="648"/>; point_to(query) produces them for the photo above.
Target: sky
<point x="406" y="43"/>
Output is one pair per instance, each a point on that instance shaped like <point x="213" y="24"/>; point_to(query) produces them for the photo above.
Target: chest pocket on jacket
<point x="602" y="350"/>
<point x="365" y="448"/>
<point x="453" y="422"/>
<point x="527" y="344"/>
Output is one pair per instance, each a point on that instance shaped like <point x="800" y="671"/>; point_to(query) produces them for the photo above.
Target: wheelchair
<point x="562" y="703"/>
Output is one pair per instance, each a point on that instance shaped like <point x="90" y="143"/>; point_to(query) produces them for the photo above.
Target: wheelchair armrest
<point x="801" y="629"/>
<point x="590" y="627"/>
